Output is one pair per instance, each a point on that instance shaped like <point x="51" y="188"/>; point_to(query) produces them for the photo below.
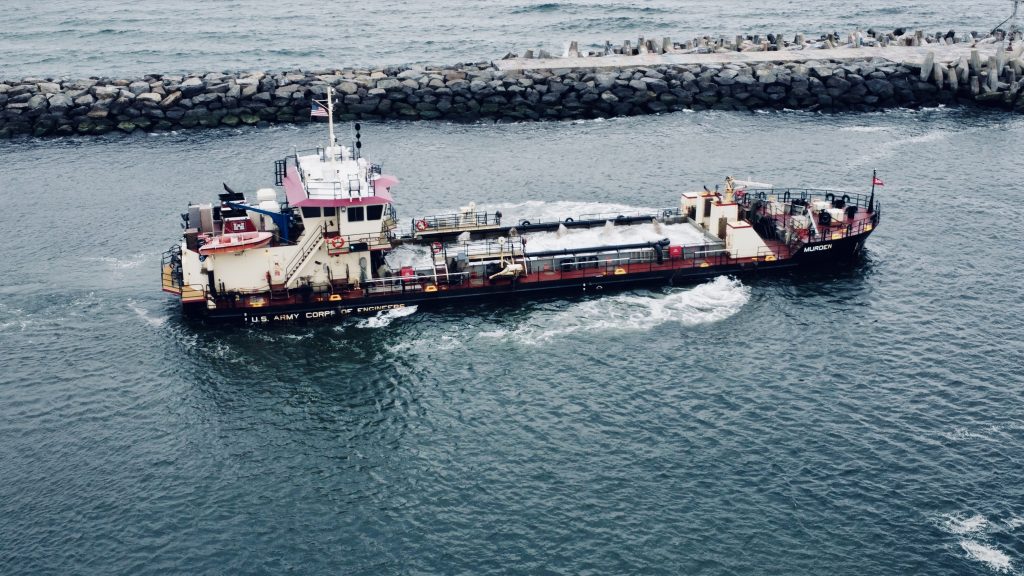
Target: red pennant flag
<point x="876" y="181"/>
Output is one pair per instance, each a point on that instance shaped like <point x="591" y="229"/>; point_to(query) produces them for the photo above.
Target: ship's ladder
<point x="440" y="263"/>
<point x="314" y="241"/>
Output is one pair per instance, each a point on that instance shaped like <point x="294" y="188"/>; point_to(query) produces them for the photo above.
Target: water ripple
<point x="866" y="421"/>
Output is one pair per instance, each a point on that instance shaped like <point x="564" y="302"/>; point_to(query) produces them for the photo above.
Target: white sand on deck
<point x="610" y="235"/>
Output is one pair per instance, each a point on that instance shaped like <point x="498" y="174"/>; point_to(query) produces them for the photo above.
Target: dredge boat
<point x="333" y="247"/>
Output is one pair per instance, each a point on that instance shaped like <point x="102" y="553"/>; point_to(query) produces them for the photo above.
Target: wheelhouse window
<point x="330" y="211"/>
<point x="355" y="214"/>
<point x="310" y="212"/>
<point x="374" y="212"/>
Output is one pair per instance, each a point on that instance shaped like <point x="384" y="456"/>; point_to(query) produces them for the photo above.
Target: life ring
<point x="620" y="218"/>
<point x="524" y="223"/>
<point x="830" y="196"/>
<point x="422" y="225"/>
<point x="337" y="242"/>
<point x="667" y="213"/>
<point x="846" y="198"/>
<point x="568" y="220"/>
<point x="785" y="196"/>
<point x="761" y="196"/>
<point x="436" y="247"/>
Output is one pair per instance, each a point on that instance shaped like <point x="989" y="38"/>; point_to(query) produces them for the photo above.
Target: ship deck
<point x="662" y="246"/>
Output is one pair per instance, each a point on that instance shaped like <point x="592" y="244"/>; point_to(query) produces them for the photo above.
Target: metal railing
<point x="193" y="293"/>
<point x="582" y="265"/>
<point x="790" y="203"/>
<point x="336" y="190"/>
<point x="619" y="215"/>
<point x="373" y="241"/>
<point x="620" y="262"/>
<point x="807" y="195"/>
<point x="420" y="282"/>
<point x="313" y="240"/>
<point x="476" y="220"/>
<point x="170" y="269"/>
<point x="840" y="230"/>
<point x="455" y="221"/>
<point x="485" y="250"/>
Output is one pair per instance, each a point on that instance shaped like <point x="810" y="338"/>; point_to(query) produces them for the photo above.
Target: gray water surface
<point x="130" y="38"/>
<point x="860" y="422"/>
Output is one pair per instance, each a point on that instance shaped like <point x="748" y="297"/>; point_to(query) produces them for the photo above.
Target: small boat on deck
<point x="333" y="247"/>
<point x="236" y="242"/>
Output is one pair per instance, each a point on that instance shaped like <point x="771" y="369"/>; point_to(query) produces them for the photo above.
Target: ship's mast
<point x="333" y="151"/>
<point x="330" y="116"/>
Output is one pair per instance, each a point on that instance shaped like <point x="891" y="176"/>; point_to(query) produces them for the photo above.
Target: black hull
<point x="335" y="310"/>
<point x="829" y="253"/>
<point x="823" y="255"/>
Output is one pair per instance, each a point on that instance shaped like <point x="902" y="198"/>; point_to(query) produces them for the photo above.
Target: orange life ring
<point x="422" y="225"/>
<point x="337" y="242"/>
<point x="436" y="247"/>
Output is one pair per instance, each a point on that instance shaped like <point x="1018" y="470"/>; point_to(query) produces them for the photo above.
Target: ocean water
<point x="79" y="38"/>
<point x="868" y="421"/>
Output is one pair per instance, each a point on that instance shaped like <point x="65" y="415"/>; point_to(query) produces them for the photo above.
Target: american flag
<point x="318" y="111"/>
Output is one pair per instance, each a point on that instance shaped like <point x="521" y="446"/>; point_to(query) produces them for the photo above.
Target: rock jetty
<point x="864" y="74"/>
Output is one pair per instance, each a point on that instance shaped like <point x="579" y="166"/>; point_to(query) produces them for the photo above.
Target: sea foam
<point x="710" y="302"/>
<point x="385" y="317"/>
<point x="990" y="556"/>
<point x="960" y="525"/>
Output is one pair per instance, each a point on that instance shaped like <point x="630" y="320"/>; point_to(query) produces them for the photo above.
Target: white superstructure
<point x="331" y="230"/>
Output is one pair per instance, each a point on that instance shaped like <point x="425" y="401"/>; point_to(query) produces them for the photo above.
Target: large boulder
<point x="138" y="87"/>
<point x="38" y="104"/>
<point x="105" y="92"/>
<point x="191" y="87"/>
<point x="656" y="85"/>
<point x="60" y="102"/>
<point x="171" y="99"/>
<point x="879" y="87"/>
<point x="81" y="84"/>
<point x="348" y="88"/>
<point x="149" y="97"/>
<point x="101" y="109"/>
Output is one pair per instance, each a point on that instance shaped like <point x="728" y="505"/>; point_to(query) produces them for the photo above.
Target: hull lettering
<point x="818" y="248"/>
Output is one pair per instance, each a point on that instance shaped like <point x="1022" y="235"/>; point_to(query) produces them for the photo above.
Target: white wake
<point x="385" y="317"/>
<point x="703" y="304"/>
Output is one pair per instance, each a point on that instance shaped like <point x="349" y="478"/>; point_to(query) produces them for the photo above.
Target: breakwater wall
<point x="852" y="78"/>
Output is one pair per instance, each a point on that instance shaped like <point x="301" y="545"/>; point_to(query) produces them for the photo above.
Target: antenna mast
<point x="330" y="115"/>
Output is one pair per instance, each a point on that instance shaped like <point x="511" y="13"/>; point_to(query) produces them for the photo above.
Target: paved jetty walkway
<point x="912" y="55"/>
